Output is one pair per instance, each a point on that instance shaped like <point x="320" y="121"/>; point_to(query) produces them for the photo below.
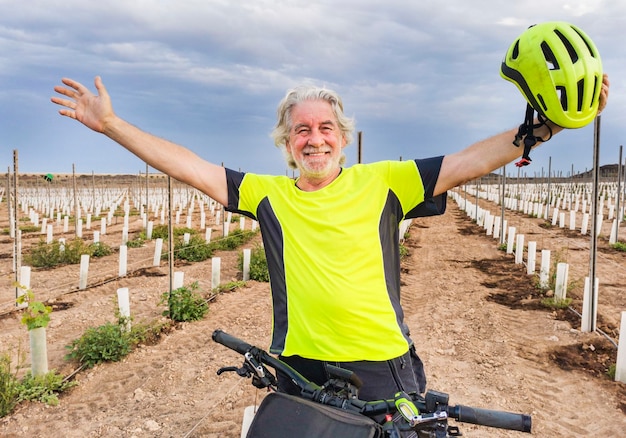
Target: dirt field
<point x="474" y="314"/>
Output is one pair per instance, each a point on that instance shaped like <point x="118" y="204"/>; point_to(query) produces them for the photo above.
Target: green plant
<point x="196" y="250"/>
<point x="161" y="232"/>
<point x="619" y="246"/>
<point x="36" y="314"/>
<point x="611" y="371"/>
<point x="47" y="255"/>
<point x="404" y="251"/>
<point x="74" y="249"/>
<point x="44" y="255"/>
<point x="106" y="343"/>
<point x="258" y="264"/>
<point x="185" y="304"/>
<point x="99" y="249"/>
<point x="137" y="242"/>
<point x="43" y="388"/>
<point x="8" y="386"/>
<point x="30" y="229"/>
<point x="230" y="286"/>
<point x="555" y="303"/>
<point x="234" y="240"/>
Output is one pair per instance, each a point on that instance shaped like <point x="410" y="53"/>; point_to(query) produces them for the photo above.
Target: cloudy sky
<point x="421" y="78"/>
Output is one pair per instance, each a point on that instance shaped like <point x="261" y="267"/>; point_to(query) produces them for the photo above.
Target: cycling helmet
<point x="558" y="70"/>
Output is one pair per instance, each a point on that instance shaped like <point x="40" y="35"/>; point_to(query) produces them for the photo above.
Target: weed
<point x="137" y="242"/>
<point x="8" y="386"/>
<point x="30" y="229"/>
<point x="196" y="250"/>
<point x="258" y="264"/>
<point x="230" y="286"/>
<point x="234" y="240"/>
<point x="47" y="255"/>
<point x="555" y="303"/>
<point x="44" y="255"/>
<point x="161" y="232"/>
<point x="611" y="371"/>
<point x="43" y="388"/>
<point x="106" y="343"/>
<point x="99" y="249"/>
<point x="184" y="304"/>
<point x="74" y="250"/>
<point x="404" y="251"/>
<point x="619" y="246"/>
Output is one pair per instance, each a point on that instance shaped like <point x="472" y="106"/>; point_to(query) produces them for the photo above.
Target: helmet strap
<point x="526" y="132"/>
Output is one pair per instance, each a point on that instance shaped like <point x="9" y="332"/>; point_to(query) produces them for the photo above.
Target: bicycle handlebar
<point x="465" y="414"/>
<point x="231" y="342"/>
<point x="491" y="418"/>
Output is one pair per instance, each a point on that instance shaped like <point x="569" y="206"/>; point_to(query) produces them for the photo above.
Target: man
<point x="331" y="236"/>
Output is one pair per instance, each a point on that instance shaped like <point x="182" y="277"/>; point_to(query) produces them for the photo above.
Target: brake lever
<point x="242" y="372"/>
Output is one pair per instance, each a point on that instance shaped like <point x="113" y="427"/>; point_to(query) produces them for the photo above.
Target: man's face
<point x="315" y="140"/>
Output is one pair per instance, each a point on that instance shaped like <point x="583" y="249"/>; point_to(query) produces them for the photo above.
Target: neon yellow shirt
<point x="333" y="255"/>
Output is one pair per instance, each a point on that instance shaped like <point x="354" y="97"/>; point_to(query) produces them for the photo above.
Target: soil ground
<point x="475" y="315"/>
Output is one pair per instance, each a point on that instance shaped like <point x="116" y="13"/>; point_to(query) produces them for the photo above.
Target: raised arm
<point x="96" y="112"/>
<point x="488" y="155"/>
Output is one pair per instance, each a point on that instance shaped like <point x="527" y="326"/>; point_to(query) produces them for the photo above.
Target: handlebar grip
<point x="491" y="418"/>
<point x="231" y="342"/>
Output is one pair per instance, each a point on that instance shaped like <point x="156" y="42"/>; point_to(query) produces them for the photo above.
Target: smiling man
<point x="331" y="236"/>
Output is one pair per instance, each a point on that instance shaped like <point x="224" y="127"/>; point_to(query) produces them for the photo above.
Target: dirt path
<point x="482" y="349"/>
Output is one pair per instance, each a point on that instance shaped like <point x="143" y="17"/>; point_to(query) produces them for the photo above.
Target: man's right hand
<point x="91" y="110"/>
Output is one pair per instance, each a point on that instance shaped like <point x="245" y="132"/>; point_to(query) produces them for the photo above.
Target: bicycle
<point x="334" y="409"/>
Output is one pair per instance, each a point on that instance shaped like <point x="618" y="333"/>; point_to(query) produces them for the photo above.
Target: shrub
<point x="619" y="246"/>
<point x="98" y="249"/>
<point x="197" y="250"/>
<point x="258" y="264"/>
<point x="137" y="242"/>
<point x="47" y="255"/>
<point x="74" y="249"/>
<point x="106" y="343"/>
<point x="161" y="232"/>
<point x="184" y="304"/>
<point x="554" y="303"/>
<point x="44" y="255"/>
<point x="230" y="286"/>
<point x="404" y="251"/>
<point x="8" y="386"/>
<point x="43" y="388"/>
<point x="234" y="240"/>
<point x="30" y="229"/>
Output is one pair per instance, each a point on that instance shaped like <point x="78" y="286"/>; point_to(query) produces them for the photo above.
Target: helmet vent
<point x="562" y="93"/>
<point x="581" y="94"/>
<point x="589" y="44"/>
<point x="542" y="102"/>
<point x="568" y="45"/>
<point x="596" y="82"/>
<point x="549" y="56"/>
<point x="515" y="52"/>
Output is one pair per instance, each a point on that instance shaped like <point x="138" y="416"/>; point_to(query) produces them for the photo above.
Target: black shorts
<point x="381" y="380"/>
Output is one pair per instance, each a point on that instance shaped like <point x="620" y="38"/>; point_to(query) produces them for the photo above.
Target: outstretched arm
<point x="488" y="155"/>
<point x="96" y="112"/>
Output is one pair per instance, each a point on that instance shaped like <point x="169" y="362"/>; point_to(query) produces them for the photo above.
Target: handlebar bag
<point x="286" y="416"/>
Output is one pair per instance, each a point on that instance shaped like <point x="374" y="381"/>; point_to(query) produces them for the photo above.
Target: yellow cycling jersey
<point x="333" y="255"/>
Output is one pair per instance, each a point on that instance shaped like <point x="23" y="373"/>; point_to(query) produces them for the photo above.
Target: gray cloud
<point x="421" y="78"/>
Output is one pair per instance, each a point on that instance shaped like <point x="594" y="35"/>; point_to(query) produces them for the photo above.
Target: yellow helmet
<point x="558" y="69"/>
